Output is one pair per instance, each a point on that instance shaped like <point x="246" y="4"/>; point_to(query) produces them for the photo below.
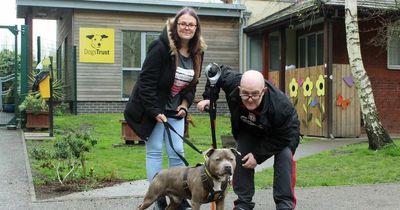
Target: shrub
<point x="68" y="154"/>
<point x="33" y="103"/>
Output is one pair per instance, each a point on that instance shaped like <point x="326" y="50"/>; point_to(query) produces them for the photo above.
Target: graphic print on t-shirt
<point x="182" y="79"/>
<point x="250" y="119"/>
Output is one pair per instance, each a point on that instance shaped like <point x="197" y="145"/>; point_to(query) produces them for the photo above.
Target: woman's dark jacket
<point x="278" y="116"/>
<point x="153" y="87"/>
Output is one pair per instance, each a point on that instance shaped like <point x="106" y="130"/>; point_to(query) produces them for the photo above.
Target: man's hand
<point x="249" y="161"/>
<point x="202" y="104"/>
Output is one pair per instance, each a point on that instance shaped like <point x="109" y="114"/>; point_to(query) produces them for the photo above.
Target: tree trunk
<point x="377" y="134"/>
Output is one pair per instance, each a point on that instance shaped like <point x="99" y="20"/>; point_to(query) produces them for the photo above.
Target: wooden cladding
<point x="103" y="82"/>
<point x="312" y="109"/>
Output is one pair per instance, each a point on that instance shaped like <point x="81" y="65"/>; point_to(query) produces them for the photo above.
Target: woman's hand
<point x="182" y="111"/>
<point x="202" y="104"/>
<point x="161" y="118"/>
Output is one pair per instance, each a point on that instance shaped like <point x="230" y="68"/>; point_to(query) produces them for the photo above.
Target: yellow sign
<point x="44" y="88"/>
<point x="96" y="45"/>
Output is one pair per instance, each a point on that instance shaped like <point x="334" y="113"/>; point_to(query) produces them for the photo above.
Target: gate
<point x="307" y="89"/>
<point x="13" y="82"/>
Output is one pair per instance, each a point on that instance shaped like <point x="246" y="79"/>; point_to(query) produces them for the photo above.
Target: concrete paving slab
<point x="16" y="188"/>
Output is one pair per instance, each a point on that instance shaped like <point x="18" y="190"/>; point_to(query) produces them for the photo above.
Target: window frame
<point x="270" y="67"/>
<point x="305" y="37"/>
<point x="250" y="64"/>
<point x="143" y="51"/>
<point x="388" y="44"/>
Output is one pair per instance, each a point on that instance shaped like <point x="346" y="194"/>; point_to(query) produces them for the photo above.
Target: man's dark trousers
<point x="284" y="175"/>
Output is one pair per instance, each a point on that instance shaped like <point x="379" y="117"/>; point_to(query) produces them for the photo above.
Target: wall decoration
<point x="314" y="101"/>
<point x="307" y="91"/>
<point x="318" y="122"/>
<point x="293" y="87"/>
<point x="344" y="103"/>
<point x="96" y="45"/>
<point x="307" y="87"/>
<point x="300" y="82"/>
<point x="320" y="86"/>
<point x="349" y="81"/>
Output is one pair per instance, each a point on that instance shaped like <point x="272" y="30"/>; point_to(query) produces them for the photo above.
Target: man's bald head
<point x="252" y="89"/>
<point x="252" y="80"/>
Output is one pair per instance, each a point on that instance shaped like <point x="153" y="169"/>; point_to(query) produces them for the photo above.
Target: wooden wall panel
<point x="308" y="107"/>
<point x="102" y="82"/>
<point x="273" y="77"/>
<point x="346" y="120"/>
<point x="64" y="37"/>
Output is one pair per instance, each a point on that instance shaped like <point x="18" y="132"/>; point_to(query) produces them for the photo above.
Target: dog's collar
<point x="208" y="183"/>
<point x="210" y="175"/>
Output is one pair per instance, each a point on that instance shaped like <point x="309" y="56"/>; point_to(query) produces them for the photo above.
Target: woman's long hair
<point x="194" y="43"/>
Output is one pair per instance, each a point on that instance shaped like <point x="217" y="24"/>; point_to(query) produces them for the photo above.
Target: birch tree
<point x="377" y="134"/>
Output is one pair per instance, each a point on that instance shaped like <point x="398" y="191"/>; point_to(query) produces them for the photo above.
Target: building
<point x="304" y="46"/>
<point x="101" y="80"/>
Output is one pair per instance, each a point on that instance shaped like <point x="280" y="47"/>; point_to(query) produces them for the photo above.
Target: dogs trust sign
<point x="96" y="45"/>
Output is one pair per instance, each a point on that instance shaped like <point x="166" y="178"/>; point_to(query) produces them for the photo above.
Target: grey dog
<point x="201" y="184"/>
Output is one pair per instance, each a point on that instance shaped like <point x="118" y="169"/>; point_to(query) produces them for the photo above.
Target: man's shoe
<point x="185" y="205"/>
<point x="160" y="204"/>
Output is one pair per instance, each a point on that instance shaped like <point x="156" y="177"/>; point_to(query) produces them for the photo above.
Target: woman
<point x="166" y="88"/>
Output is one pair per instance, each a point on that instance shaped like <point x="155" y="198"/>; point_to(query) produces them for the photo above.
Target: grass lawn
<point x="344" y="166"/>
<point x="125" y="163"/>
<point x="348" y="165"/>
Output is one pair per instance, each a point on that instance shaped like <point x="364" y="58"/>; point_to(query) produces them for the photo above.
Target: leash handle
<point x="169" y="127"/>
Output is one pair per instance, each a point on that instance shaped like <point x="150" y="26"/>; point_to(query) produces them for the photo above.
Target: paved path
<point x="16" y="188"/>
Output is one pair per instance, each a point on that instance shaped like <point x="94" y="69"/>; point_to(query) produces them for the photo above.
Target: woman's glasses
<point x="191" y="26"/>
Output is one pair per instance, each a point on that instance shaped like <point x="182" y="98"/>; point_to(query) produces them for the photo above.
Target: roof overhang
<point x="50" y="9"/>
<point x="296" y="13"/>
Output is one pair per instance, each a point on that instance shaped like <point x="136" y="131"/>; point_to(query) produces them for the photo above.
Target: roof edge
<point x="146" y="6"/>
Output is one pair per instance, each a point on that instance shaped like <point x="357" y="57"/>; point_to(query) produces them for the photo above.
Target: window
<point x="134" y="47"/>
<point x="393" y="48"/>
<point x="274" y="53"/>
<point x="255" y="53"/>
<point x="311" y="50"/>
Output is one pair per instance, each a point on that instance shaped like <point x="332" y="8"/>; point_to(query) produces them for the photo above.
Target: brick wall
<point x="92" y="107"/>
<point x="385" y="82"/>
<point x="89" y="107"/>
<point x="386" y="86"/>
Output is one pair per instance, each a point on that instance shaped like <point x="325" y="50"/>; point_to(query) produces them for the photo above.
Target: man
<point x="264" y="124"/>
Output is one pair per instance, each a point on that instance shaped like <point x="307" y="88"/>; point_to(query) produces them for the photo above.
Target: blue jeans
<point x="154" y="147"/>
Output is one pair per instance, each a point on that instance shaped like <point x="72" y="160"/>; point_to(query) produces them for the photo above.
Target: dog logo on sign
<point x="96" y="40"/>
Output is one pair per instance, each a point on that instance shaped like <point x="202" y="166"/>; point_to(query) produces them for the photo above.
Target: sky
<point x="46" y="29"/>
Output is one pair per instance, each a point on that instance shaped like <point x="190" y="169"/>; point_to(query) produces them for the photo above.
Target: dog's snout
<point x="228" y="169"/>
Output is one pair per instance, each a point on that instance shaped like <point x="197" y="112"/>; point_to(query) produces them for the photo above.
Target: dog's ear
<point x="90" y="36"/>
<point x="104" y="36"/>
<point x="209" y="152"/>
<point x="235" y="152"/>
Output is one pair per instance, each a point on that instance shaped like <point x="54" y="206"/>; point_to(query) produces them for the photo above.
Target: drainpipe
<point x="241" y="42"/>
<point x="244" y="17"/>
